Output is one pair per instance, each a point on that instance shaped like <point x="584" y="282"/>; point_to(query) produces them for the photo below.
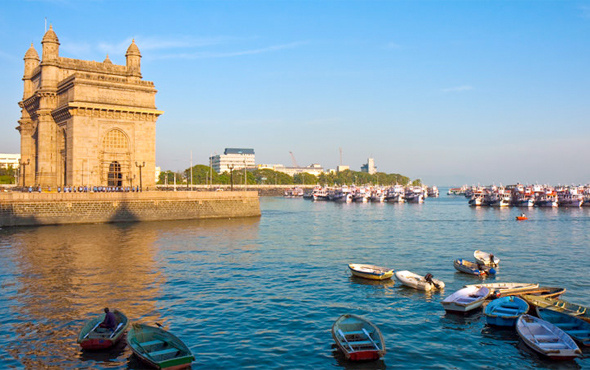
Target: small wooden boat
<point x="358" y="338"/>
<point x="416" y="281"/>
<point x="158" y="348"/>
<point x="370" y="271"/>
<point x="544" y="291"/>
<point x="471" y="268"/>
<point x="521" y="218"/>
<point x="485" y="258"/>
<point x="546" y="338"/>
<point x="465" y="299"/>
<point x="505" y="289"/>
<point x="505" y="311"/>
<point x="560" y="305"/>
<point x="92" y="336"/>
<point x="578" y="329"/>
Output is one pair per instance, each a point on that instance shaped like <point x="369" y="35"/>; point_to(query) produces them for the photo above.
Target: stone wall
<point x="22" y="209"/>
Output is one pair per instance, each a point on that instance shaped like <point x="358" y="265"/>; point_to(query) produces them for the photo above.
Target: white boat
<point x="569" y="199"/>
<point x="465" y="299"/>
<point x="546" y="338"/>
<point x="370" y="271"/>
<point x="503" y="289"/>
<point x="486" y="258"/>
<point x="416" y="281"/>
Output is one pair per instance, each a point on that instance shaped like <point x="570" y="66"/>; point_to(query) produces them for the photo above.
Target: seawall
<point x="24" y="209"/>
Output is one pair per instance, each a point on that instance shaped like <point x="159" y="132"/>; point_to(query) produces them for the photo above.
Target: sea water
<point x="264" y="292"/>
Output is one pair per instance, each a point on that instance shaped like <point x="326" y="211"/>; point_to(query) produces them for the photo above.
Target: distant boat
<point x="158" y="347"/>
<point x="578" y="329"/>
<point x="505" y="311"/>
<point x="416" y="281"/>
<point x="486" y="258"/>
<point x="560" y="305"/>
<point x="521" y="218"/>
<point x="471" y="268"/>
<point x="546" y="338"/>
<point x="358" y="338"/>
<point x="92" y="336"/>
<point x="465" y="299"/>
<point x="370" y="271"/>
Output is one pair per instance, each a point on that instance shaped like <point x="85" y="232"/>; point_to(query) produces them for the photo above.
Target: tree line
<point x="204" y="175"/>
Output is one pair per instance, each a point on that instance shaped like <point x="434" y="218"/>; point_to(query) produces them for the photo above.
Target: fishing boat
<point x="546" y="338"/>
<point x="465" y="299"/>
<point x="485" y="258"/>
<point x="521" y="218"/>
<point x="92" y="336"/>
<point x="358" y="338"/>
<point x="158" y="347"/>
<point x="416" y="281"/>
<point x="578" y="329"/>
<point x="471" y="268"/>
<point x="370" y="271"/>
<point x="505" y="289"/>
<point x="560" y="305"/>
<point x="505" y="311"/>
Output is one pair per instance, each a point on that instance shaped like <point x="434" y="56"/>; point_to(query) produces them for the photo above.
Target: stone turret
<point x="50" y="44"/>
<point x="133" y="57"/>
<point x="31" y="62"/>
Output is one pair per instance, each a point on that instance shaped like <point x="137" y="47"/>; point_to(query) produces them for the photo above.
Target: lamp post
<point x="231" y="175"/>
<point x="23" y="165"/>
<point x="140" y="182"/>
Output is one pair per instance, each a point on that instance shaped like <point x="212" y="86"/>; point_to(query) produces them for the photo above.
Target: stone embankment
<point x="22" y="209"/>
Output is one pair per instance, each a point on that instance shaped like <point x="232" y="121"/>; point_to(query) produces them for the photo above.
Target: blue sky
<point x="451" y="92"/>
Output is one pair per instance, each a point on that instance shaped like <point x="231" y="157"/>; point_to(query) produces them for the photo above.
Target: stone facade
<point x="86" y="122"/>
<point x="24" y="209"/>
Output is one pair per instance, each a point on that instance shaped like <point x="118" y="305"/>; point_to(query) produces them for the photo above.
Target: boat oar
<point x="95" y="326"/>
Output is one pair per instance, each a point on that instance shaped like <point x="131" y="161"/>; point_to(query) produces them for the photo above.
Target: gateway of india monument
<point x="85" y="122"/>
<point x="93" y="124"/>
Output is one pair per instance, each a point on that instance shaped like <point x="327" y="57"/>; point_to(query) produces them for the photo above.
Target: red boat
<point x="358" y="338"/>
<point x="92" y="336"/>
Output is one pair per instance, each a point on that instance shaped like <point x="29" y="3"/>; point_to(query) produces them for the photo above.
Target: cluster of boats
<point x="528" y="196"/>
<point x="153" y="345"/>
<point x="547" y="324"/>
<point x="484" y="265"/>
<point x="367" y="193"/>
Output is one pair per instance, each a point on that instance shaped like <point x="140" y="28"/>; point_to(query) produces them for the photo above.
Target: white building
<point x="314" y="169"/>
<point x="233" y="158"/>
<point x="7" y="160"/>
<point x="369" y="167"/>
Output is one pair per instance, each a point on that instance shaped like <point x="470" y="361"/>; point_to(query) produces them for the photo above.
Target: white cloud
<point x="228" y="54"/>
<point x="392" y="45"/>
<point x="457" y="88"/>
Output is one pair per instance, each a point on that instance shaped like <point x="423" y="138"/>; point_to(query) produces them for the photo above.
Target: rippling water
<point x="263" y="293"/>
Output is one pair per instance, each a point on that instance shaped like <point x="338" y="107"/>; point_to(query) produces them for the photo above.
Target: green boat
<point x="158" y="348"/>
<point x="572" y="309"/>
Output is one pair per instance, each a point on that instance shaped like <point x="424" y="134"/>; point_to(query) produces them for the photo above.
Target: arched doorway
<point x="115" y="177"/>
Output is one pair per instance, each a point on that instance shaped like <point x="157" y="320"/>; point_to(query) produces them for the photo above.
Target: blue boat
<point x="505" y="311"/>
<point x="576" y="328"/>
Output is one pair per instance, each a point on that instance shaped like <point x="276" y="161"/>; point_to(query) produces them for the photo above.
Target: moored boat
<point x="370" y="271"/>
<point x="505" y="311"/>
<point x="486" y="258"/>
<point x="471" y="268"/>
<point x="158" y="347"/>
<point x="416" y="281"/>
<point x="358" y="338"/>
<point x="92" y="336"/>
<point x="578" y="329"/>
<point x="546" y="338"/>
<point x="505" y="289"/>
<point x="465" y="299"/>
<point x="560" y="305"/>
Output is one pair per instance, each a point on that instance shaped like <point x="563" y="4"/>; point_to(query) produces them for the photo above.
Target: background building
<point x="234" y="158"/>
<point x="369" y="167"/>
<point x="315" y="169"/>
<point x="86" y="122"/>
<point x="9" y="160"/>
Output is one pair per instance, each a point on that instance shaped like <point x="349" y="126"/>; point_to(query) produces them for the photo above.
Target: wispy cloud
<point x="457" y="89"/>
<point x="392" y="45"/>
<point x="228" y="54"/>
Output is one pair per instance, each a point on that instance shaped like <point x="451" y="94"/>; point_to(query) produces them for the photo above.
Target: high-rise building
<point x="233" y="158"/>
<point x="369" y="167"/>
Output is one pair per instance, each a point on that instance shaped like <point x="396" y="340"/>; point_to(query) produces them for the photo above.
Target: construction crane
<point x="293" y="159"/>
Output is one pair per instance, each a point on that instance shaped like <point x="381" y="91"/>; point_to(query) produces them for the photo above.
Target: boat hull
<point x="370" y="272"/>
<point x="92" y="337"/>
<point x="358" y="338"/>
<point x="546" y="339"/>
<point x="465" y="300"/>
<point x="505" y="311"/>
<point x="158" y="348"/>
<point x="415" y="281"/>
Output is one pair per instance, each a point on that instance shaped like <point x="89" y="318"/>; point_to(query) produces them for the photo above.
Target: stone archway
<point x="115" y="158"/>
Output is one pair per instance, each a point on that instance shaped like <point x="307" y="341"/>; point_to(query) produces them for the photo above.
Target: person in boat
<point x="492" y="260"/>
<point x="110" y="321"/>
<point x="522" y="215"/>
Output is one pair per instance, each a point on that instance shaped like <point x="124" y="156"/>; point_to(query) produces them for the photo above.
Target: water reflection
<point x="64" y="275"/>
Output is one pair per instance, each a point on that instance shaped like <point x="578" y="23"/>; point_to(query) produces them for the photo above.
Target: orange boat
<point x="521" y="218"/>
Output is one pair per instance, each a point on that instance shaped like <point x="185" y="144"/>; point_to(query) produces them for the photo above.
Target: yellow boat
<point x="370" y="271"/>
<point x="559" y="305"/>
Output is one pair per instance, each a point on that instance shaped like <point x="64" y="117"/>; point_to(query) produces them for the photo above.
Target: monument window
<point x="115" y="139"/>
<point x="115" y="177"/>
